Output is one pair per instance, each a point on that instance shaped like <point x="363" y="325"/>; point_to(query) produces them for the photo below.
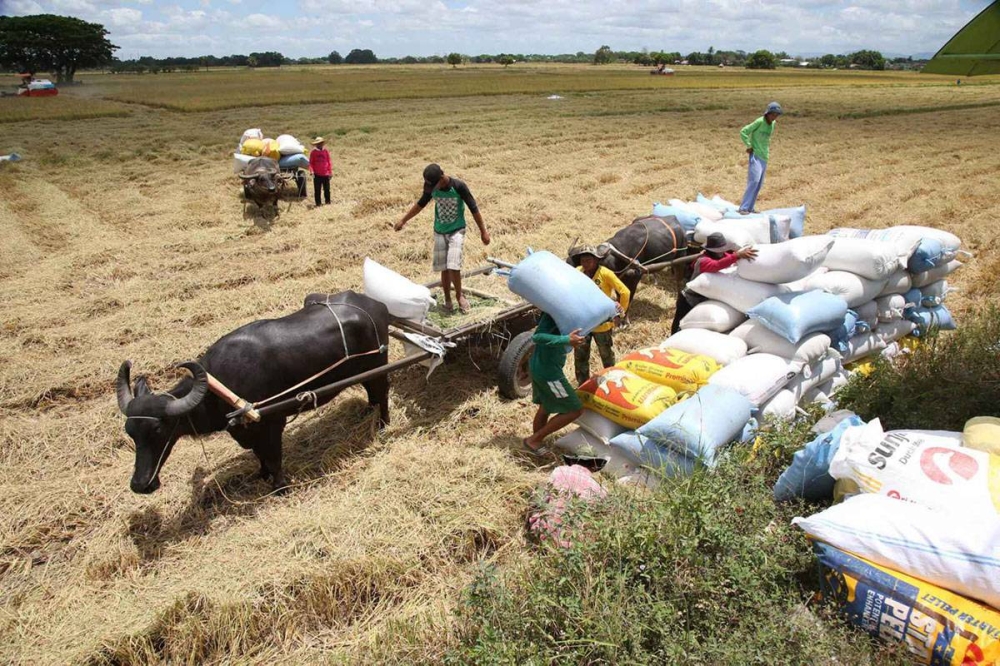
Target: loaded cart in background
<point x="288" y="153"/>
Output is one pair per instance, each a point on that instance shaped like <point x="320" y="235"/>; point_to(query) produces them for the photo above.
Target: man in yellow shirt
<point x="588" y="259"/>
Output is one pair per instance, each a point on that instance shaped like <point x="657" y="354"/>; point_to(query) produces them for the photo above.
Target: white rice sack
<point x="289" y="145"/>
<point x="760" y="339"/>
<point x="757" y="377"/>
<point x="403" y="298"/>
<point x="250" y="134"/>
<point x="927" y="467"/>
<point x="853" y="288"/>
<point x="786" y="262"/>
<point x="921" y="280"/>
<point x="875" y="260"/>
<point x="890" y="308"/>
<point x="764" y="229"/>
<point x="863" y="345"/>
<point x="704" y="211"/>
<point x="956" y="549"/>
<point x="894" y="330"/>
<point x="783" y="404"/>
<point x="733" y="290"/>
<point x="736" y="237"/>
<point x="868" y="313"/>
<point x="822" y="394"/>
<point x="240" y="162"/>
<point x="801" y="285"/>
<point x="723" y="348"/>
<point x="712" y="316"/>
<point x="590" y="439"/>
<point x="723" y="204"/>
<point x="899" y="282"/>
<point x="935" y="293"/>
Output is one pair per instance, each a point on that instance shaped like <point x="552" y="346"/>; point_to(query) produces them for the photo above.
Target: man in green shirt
<point x="451" y="198"/>
<point x="757" y="138"/>
<point x="550" y="389"/>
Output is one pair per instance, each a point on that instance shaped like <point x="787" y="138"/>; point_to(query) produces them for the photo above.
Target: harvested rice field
<point x="125" y="237"/>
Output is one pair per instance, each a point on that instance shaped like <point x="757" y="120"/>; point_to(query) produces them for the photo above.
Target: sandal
<point x="538" y="453"/>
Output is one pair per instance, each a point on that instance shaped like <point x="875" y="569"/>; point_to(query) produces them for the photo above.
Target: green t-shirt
<point x="449" y="211"/>
<point x="551" y="349"/>
<point x="757" y="135"/>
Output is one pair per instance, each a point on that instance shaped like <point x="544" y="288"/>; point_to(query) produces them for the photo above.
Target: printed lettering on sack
<point x="624" y="397"/>
<point x="939" y="628"/>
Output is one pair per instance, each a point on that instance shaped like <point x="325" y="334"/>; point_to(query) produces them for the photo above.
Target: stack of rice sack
<point x="704" y="216"/>
<point x="912" y="264"/>
<point x="286" y="150"/>
<point x="657" y="409"/>
<point x="913" y="553"/>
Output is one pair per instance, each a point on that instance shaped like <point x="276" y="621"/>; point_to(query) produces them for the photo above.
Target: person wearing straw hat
<point x="589" y="259"/>
<point x="715" y="258"/>
<point x="757" y="138"/>
<point x="321" y="168"/>
<point x="451" y="197"/>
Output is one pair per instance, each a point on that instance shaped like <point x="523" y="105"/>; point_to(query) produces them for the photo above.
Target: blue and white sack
<point x="796" y="315"/>
<point x="564" y="293"/>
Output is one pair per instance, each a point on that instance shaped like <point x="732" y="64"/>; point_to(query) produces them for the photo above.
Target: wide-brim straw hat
<point x="318" y="140"/>
<point x="580" y="250"/>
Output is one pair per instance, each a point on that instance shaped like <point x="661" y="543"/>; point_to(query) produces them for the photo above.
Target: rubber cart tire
<point x="515" y="379"/>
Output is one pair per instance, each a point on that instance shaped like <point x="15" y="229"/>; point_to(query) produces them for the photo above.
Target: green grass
<point x="705" y="570"/>
<point x="951" y="378"/>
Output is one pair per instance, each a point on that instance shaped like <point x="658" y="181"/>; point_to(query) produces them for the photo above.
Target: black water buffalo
<point x="257" y="361"/>
<point x="262" y="182"/>
<point x="647" y="240"/>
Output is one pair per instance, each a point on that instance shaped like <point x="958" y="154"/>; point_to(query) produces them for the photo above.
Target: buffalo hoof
<point x="281" y="486"/>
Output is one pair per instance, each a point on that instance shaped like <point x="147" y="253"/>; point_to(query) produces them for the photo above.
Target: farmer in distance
<point x="451" y="198"/>
<point x="605" y="279"/>
<point x="714" y="259"/>
<point x="757" y="138"/>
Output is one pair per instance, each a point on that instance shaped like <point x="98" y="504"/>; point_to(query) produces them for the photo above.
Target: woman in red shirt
<point x="713" y="260"/>
<point x="321" y="168"/>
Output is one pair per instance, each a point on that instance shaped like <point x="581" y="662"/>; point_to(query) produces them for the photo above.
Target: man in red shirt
<point x="321" y="168"/>
<point x="715" y="258"/>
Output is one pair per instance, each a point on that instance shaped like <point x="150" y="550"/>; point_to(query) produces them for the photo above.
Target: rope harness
<point x="635" y="260"/>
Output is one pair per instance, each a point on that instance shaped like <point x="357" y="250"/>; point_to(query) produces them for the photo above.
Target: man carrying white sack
<point x="715" y="258"/>
<point x="451" y="198"/>
<point x="757" y="138"/>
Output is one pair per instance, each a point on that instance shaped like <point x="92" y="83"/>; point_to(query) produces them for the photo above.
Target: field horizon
<point x="126" y="238"/>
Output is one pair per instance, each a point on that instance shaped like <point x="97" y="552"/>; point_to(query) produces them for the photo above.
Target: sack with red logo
<point x="928" y="467"/>
<point x="624" y="397"/>
<point x="683" y="372"/>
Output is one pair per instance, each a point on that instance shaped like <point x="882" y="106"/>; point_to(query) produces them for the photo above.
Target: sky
<point x="395" y="28"/>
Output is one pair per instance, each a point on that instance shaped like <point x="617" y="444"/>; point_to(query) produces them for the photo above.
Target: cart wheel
<point x="515" y="379"/>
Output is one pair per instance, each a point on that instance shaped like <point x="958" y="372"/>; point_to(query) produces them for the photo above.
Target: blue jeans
<point x="755" y="178"/>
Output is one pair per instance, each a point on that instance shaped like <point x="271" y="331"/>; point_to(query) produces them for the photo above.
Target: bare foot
<point x="463" y="305"/>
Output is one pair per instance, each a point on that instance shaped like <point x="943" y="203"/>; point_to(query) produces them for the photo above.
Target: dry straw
<point x="125" y="238"/>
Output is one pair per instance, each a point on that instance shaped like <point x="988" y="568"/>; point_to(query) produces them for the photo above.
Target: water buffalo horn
<point x="190" y="401"/>
<point x="246" y="176"/>
<point x="123" y="387"/>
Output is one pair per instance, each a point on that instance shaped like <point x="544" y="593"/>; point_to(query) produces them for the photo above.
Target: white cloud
<point x="123" y="17"/>
<point x="262" y="21"/>
<point x="421" y="27"/>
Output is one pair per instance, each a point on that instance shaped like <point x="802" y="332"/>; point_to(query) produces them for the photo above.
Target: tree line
<point x="62" y="45"/>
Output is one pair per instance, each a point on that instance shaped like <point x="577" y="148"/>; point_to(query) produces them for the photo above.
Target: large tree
<point x="361" y="57"/>
<point x="49" y="43"/>
<point x="603" y="55"/>
<point x="335" y="58"/>
<point x="762" y="59"/>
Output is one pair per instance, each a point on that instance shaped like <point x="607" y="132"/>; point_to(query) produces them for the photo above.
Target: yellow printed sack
<point x="624" y="397"/>
<point x="982" y="433"/>
<point x="939" y="628"/>
<point x="269" y="148"/>
<point x="252" y="147"/>
<point x="683" y="372"/>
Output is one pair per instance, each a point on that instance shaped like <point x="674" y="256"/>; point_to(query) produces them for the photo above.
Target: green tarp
<point x="975" y="49"/>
